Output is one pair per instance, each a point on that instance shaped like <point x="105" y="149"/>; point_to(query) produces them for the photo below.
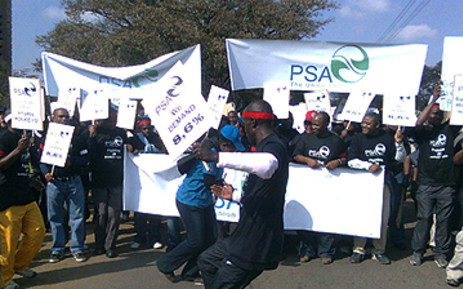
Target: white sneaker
<point x="135" y="245"/>
<point x="158" y="245"/>
<point x="12" y="285"/>
<point x="28" y="273"/>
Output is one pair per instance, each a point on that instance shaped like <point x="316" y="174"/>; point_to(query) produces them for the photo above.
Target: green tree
<point x="120" y="33"/>
<point x="431" y="77"/>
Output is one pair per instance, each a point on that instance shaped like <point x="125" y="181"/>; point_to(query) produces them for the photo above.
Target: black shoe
<point x="55" y="257"/>
<point x="381" y="258"/>
<point x="357" y="258"/>
<point x="111" y="254"/>
<point x="416" y="259"/>
<point x="172" y="277"/>
<point x="441" y="261"/>
<point x="453" y="282"/>
<point x="80" y="257"/>
<point x="99" y="252"/>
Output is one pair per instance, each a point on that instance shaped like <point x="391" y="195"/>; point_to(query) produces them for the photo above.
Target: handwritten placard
<point x="217" y="99"/>
<point x="57" y="143"/>
<point x="126" y="113"/>
<point x="399" y="109"/>
<point x="356" y="106"/>
<point x="277" y="93"/>
<point x="26" y="101"/>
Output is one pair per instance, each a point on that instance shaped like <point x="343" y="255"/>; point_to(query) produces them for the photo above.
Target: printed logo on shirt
<point x="323" y="153"/>
<point x="117" y="142"/>
<point x="440" y="141"/>
<point x="379" y="151"/>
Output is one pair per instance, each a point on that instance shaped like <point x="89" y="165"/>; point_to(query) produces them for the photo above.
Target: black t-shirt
<point x="435" y="160"/>
<point x="257" y="242"/>
<point x="106" y="156"/>
<point x="323" y="149"/>
<point x="14" y="181"/>
<point x="379" y="149"/>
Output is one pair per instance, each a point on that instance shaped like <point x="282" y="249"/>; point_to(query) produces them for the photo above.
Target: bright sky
<point x="355" y="21"/>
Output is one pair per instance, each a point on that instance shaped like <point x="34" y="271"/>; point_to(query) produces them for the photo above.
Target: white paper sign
<point x="67" y="99"/>
<point x="126" y="113"/>
<point x="95" y="106"/>
<point x="356" y="106"/>
<point x="399" y="109"/>
<point x="299" y="111"/>
<point x="452" y="64"/>
<point x="179" y="115"/>
<point x="217" y="99"/>
<point x="457" y="102"/>
<point x="57" y="143"/>
<point x="26" y="103"/>
<point x="276" y="93"/>
<point x="318" y="101"/>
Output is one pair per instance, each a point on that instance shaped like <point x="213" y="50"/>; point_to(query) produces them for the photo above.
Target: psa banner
<point x="133" y="81"/>
<point x="335" y="66"/>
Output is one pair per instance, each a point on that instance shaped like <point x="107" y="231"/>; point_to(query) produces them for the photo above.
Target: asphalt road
<point x="137" y="269"/>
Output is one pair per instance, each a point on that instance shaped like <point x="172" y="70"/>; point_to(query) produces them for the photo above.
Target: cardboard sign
<point x="217" y="100"/>
<point x="318" y="101"/>
<point x="67" y="99"/>
<point x="180" y="116"/>
<point x="276" y="93"/>
<point x="26" y="103"/>
<point x="126" y="113"/>
<point x="399" y="109"/>
<point x="95" y="106"/>
<point x="356" y="106"/>
<point x="457" y="102"/>
<point x="57" y="143"/>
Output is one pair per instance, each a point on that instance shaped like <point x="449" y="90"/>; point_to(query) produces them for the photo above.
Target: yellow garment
<point x="15" y="220"/>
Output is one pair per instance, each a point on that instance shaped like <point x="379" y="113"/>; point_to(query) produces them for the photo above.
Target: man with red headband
<point x="436" y="178"/>
<point x="256" y="243"/>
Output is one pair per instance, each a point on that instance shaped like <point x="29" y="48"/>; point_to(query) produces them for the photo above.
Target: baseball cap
<point x="310" y="115"/>
<point x="232" y="133"/>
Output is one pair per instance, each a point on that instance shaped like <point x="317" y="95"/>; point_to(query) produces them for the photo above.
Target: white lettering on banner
<point x="57" y="143"/>
<point x="26" y="103"/>
<point x="178" y="115"/>
<point x="152" y="180"/>
<point x="334" y="66"/>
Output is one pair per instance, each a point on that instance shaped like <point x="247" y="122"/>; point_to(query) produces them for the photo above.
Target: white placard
<point x="356" y="106"/>
<point x="276" y="93"/>
<point x="452" y="64"/>
<point x="126" y="113"/>
<point x="26" y="103"/>
<point x="456" y="117"/>
<point x="57" y="143"/>
<point x="151" y="182"/>
<point x="399" y="109"/>
<point x="95" y="106"/>
<point x="318" y="101"/>
<point x="180" y="116"/>
<point x="217" y="100"/>
<point x="299" y="111"/>
<point x="67" y="98"/>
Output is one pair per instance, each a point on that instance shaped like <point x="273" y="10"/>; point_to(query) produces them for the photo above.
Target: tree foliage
<point x="431" y="77"/>
<point x="120" y="33"/>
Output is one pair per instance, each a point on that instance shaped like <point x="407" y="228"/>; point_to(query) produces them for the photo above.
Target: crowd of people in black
<point x="423" y="160"/>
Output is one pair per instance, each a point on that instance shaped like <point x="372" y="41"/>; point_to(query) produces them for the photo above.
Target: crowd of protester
<point x="422" y="162"/>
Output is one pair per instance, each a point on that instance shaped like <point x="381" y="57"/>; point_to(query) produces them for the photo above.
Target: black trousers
<point x="220" y="273"/>
<point x="441" y="199"/>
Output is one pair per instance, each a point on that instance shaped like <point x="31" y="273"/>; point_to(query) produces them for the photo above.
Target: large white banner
<point x="179" y="114"/>
<point x="26" y="103"/>
<point x="338" y="67"/>
<point x="57" y="143"/>
<point x="133" y="81"/>
<point x="151" y="182"/>
<point x="399" y="109"/>
<point x="452" y="64"/>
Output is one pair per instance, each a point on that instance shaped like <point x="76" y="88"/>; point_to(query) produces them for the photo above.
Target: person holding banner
<point x="195" y="204"/>
<point x="372" y="150"/>
<point x="256" y="243"/>
<point x="106" y="146"/>
<point x="318" y="149"/>
<point x="64" y="185"/>
<point x="147" y="141"/>
<point x="19" y="213"/>
<point x="436" y="181"/>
